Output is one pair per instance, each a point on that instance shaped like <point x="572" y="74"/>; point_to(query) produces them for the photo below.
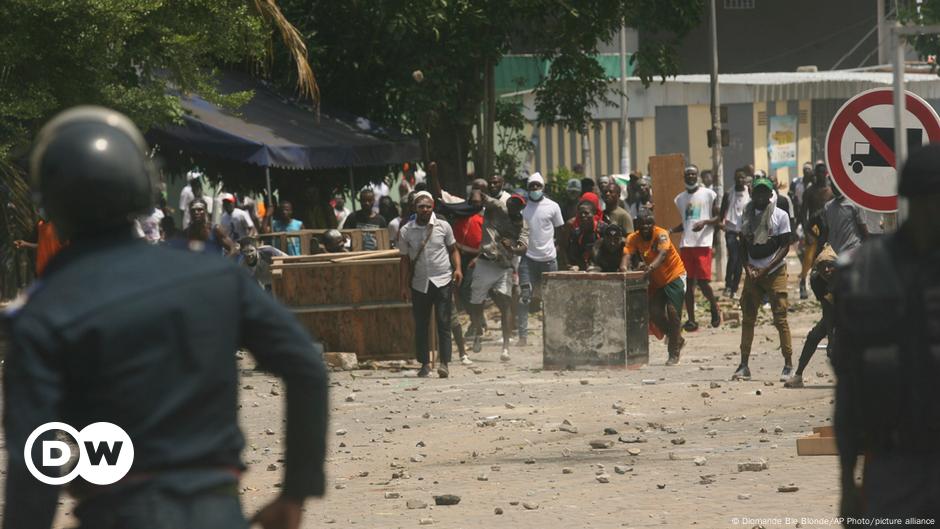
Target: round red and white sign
<point x="860" y="145"/>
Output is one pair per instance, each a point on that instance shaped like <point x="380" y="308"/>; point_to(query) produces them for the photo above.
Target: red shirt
<point x="48" y="245"/>
<point x="469" y="231"/>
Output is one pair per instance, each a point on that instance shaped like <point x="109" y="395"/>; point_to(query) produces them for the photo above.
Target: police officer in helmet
<point x="886" y="353"/>
<point x="144" y="337"/>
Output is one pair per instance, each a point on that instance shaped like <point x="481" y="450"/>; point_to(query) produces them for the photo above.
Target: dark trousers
<point x="821" y="330"/>
<point x="735" y="261"/>
<point x="438" y="298"/>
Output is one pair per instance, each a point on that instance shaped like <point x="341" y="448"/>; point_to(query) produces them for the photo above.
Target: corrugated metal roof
<point x="780" y="86"/>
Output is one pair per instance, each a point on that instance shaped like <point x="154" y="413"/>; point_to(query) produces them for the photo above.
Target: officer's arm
<point x="282" y="347"/>
<point x="32" y="397"/>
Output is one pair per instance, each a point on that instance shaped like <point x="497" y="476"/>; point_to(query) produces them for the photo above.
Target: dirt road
<point x="491" y="434"/>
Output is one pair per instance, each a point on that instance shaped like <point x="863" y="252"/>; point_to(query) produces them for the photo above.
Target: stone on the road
<point x="633" y="451"/>
<point x="392" y="495"/>
<point x="700" y="461"/>
<point x="753" y="466"/>
<point x="498" y="510"/>
<point x="447" y="499"/>
<point x="788" y="488"/>
<point x="622" y="469"/>
<point x="416" y="504"/>
<point x="599" y="444"/>
<point x="566" y="470"/>
<point x="602" y="478"/>
<point x="529" y="506"/>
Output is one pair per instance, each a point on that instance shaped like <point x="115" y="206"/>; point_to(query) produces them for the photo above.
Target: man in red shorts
<point x="698" y="207"/>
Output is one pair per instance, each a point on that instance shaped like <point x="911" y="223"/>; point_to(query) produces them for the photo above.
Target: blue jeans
<point x="156" y="508"/>
<point x="530" y="287"/>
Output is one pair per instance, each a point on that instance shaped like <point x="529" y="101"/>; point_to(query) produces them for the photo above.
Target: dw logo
<point x="106" y="453"/>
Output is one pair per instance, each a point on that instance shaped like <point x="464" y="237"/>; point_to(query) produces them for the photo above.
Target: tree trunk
<point x="449" y="146"/>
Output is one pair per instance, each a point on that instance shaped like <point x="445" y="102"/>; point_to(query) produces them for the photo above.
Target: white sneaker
<point x="465" y="360"/>
<point x="505" y="356"/>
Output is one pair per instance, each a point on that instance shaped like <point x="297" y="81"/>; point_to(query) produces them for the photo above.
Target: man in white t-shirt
<point x="765" y="237"/>
<point x="544" y="218"/>
<point x="236" y="222"/>
<point x="732" y="212"/>
<point x="698" y="208"/>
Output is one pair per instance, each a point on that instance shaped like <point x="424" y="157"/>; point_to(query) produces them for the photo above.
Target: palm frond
<point x="306" y="81"/>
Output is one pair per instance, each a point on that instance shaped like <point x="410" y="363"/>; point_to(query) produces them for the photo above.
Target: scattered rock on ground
<point x="416" y="504"/>
<point x="753" y="466"/>
<point x="447" y="499"/>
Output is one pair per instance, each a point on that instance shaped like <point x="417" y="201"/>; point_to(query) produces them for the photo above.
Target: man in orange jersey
<point x="665" y="272"/>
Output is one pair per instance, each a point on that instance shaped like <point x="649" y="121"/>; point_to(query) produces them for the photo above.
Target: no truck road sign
<point x="860" y="145"/>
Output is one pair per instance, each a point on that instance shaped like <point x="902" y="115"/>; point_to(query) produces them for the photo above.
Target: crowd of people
<point x="495" y="243"/>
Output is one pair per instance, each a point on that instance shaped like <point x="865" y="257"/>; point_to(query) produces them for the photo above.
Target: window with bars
<point x="739" y="4"/>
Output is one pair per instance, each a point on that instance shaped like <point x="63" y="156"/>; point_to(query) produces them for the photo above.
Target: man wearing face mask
<point x="544" y="218"/>
<point x="698" y="207"/>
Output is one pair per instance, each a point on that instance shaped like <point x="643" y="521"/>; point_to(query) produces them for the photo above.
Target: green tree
<point x="125" y="54"/>
<point x="369" y="55"/>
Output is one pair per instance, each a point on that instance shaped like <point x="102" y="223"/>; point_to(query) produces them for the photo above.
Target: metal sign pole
<point x="890" y="220"/>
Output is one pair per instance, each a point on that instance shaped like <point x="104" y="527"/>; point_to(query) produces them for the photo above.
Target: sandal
<point x="716" y="318"/>
<point x="690" y="326"/>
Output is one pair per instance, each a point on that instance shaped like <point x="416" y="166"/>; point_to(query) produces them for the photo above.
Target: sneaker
<point x="522" y="341"/>
<point x="803" y="293"/>
<point x="743" y="373"/>
<point x="424" y="371"/>
<point x="673" y="360"/>
<point x="786" y="373"/>
<point x="504" y="357"/>
<point x="477" y="344"/>
<point x="690" y="326"/>
<point x="442" y="371"/>
<point x="796" y="381"/>
<point x="465" y="360"/>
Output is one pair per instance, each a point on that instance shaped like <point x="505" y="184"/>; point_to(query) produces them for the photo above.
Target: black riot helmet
<point x="90" y="170"/>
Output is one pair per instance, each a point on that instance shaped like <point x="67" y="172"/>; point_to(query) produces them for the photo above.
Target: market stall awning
<point x="272" y="131"/>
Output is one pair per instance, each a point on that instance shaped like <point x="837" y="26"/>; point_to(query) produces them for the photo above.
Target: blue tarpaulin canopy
<point x="272" y="131"/>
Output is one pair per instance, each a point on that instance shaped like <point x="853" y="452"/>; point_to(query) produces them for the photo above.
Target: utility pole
<point x="882" y="33"/>
<point x="717" y="164"/>
<point x="624" y="100"/>
<point x="586" y="153"/>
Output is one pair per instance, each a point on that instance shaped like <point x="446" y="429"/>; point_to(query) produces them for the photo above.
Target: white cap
<point x="192" y="175"/>
<point x="536" y="177"/>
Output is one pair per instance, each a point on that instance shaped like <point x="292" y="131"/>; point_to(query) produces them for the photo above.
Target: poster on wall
<point x="781" y="141"/>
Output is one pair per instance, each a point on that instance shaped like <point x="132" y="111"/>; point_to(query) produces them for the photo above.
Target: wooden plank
<point x="367" y="255"/>
<point x="307" y="309"/>
<point x="816" y="445"/>
<point x="667" y="173"/>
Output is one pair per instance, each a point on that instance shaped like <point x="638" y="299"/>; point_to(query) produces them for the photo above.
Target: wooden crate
<point x="595" y="319"/>
<point x="353" y="306"/>
<point x="356" y="238"/>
